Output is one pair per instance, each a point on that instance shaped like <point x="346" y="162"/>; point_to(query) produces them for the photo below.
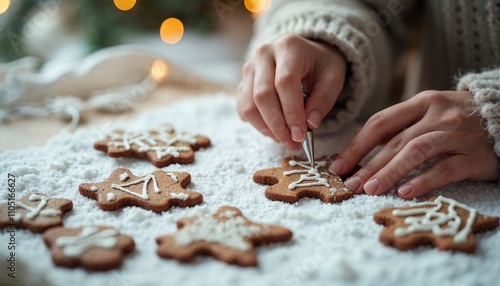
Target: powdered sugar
<point x="230" y="232"/>
<point x="333" y="244"/>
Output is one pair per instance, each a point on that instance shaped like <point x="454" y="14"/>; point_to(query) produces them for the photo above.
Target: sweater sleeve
<point x="485" y="87"/>
<point x="360" y="31"/>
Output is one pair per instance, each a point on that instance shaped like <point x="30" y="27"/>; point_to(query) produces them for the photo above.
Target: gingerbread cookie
<point x="35" y="212"/>
<point x="296" y="179"/>
<point x="161" y="147"/>
<point x="95" y="248"/>
<point x="157" y="191"/>
<point x="227" y="235"/>
<point x="441" y="222"/>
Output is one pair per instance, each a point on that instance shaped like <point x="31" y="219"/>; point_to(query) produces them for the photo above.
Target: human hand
<point x="270" y="92"/>
<point x="432" y="124"/>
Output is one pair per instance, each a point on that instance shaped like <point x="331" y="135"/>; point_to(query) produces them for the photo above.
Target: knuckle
<point x="351" y="148"/>
<point x="433" y="96"/>
<point x="336" y="79"/>
<point x="418" y="145"/>
<point x="326" y="100"/>
<point x="284" y="79"/>
<point x="377" y="121"/>
<point x="419" y="150"/>
<point x="247" y="68"/>
<point x="395" y="144"/>
<point x="293" y="113"/>
<point x="263" y="50"/>
<point x="289" y="40"/>
<point x="453" y="118"/>
<point x="248" y="112"/>
<point x="261" y="96"/>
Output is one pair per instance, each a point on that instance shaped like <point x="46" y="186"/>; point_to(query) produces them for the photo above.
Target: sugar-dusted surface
<point x="333" y="244"/>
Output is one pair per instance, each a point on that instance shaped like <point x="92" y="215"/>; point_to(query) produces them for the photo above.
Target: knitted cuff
<point x="326" y="26"/>
<point x="485" y="87"/>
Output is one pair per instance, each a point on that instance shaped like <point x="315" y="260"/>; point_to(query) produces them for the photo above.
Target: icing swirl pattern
<point x="307" y="173"/>
<point x="159" y="141"/>
<point x="430" y="217"/>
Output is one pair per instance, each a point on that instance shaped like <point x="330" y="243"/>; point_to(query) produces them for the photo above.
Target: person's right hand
<point x="270" y="92"/>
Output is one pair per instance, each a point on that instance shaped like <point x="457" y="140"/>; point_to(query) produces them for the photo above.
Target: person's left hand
<point x="433" y="124"/>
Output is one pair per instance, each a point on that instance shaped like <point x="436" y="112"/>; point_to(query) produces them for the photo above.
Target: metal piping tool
<point x="308" y="143"/>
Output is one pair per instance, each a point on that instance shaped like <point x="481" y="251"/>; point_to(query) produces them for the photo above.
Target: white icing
<point x="163" y="151"/>
<point x="93" y="188"/>
<point x="89" y="237"/>
<point x="173" y="176"/>
<point x="160" y="141"/>
<point x="230" y="232"/>
<point x="440" y="223"/>
<point x="110" y="197"/>
<point x="123" y="176"/>
<point x="145" y="181"/>
<point x="307" y="173"/>
<point x="180" y="196"/>
<point x="33" y="212"/>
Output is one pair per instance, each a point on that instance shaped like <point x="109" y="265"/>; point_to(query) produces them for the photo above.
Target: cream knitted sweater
<point x="461" y="40"/>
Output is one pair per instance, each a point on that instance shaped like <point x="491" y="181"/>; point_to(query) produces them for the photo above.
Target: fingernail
<point x="371" y="186"/>
<point x="314" y="118"/>
<point x="353" y="183"/>
<point x="297" y="134"/>
<point x="404" y="189"/>
<point x="337" y="166"/>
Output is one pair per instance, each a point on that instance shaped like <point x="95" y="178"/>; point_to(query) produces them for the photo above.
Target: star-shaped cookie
<point x="95" y="248"/>
<point x="296" y="179"/>
<point x="161" y="147"/>
<point x="226" y="235"/>
<point x="157" y="191"/>
<point x="441" y="222"/>
<point x="35" y="212"/>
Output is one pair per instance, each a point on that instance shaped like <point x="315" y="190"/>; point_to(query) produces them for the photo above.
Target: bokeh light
<point x="124" y="5"/>
<point x="4" y="6"/>
<point x="171" y="30"/>
<point x="159" y="70"/>
<point x="257" y="6"/>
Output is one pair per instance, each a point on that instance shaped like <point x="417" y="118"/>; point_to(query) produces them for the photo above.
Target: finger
<point x="323" y="96"/>
<point x="288" y="82"/>
<point x="444" y="172"/>
<point x="380" y="126"/>
<point x="244" y="91"/>
<point x="414" y="154"/>
<point x="247" y="109"/>
<point x="267" y="100"/>
<point x="386" y="154"/>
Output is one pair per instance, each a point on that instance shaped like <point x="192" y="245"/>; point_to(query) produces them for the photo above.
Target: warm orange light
<point x="159" y="70"/>
<point x="4" y="5"/>
<point x="257" y="6"/>
<point x="124" y="5"/>
<point x="171" y="30"/>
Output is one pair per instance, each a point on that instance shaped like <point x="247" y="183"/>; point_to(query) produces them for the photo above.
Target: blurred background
<point x="71" y="63"/>
<point x="207" y="38"/>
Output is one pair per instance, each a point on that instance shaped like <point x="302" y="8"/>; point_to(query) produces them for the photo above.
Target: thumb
<point x="322" y="98"/>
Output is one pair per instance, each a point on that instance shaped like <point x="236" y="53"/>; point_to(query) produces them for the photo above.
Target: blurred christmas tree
<point x="100" y="21"/>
